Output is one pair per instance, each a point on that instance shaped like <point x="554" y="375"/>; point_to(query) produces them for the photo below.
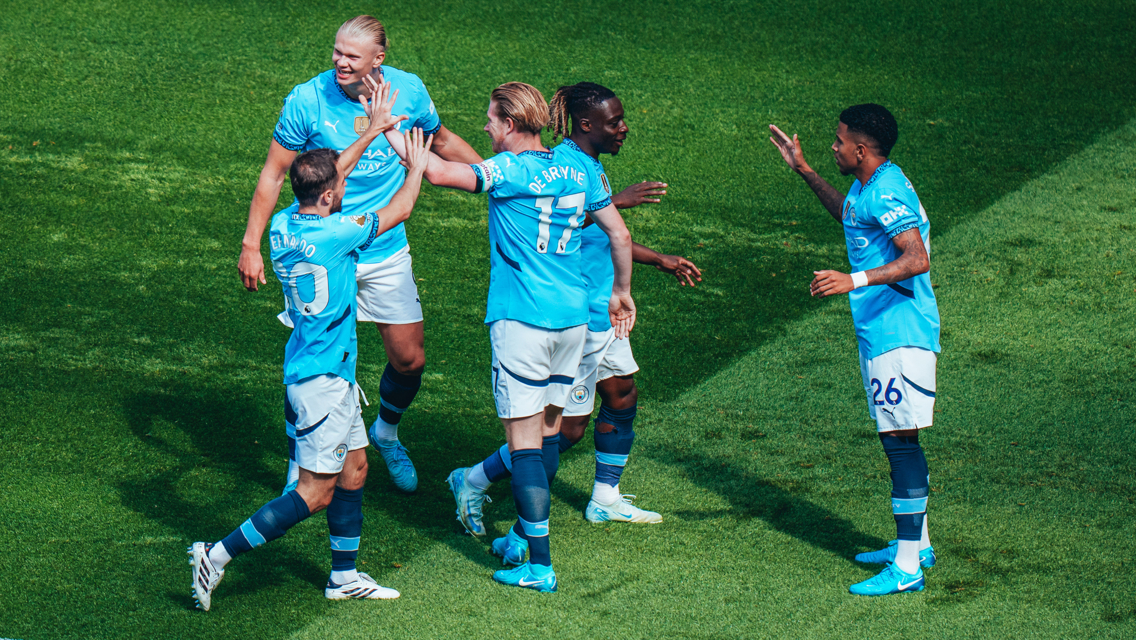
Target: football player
<point x="538" y="308"/>
<point x="325" y="112"/>
<point x="896" y="318"/>
<point x="314" y="249"/>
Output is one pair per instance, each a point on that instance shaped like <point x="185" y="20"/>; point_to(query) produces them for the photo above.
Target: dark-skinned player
<point x="592" y="119"/>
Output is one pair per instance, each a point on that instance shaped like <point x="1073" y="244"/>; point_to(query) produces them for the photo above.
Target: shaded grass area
<point x="141" y="383"/>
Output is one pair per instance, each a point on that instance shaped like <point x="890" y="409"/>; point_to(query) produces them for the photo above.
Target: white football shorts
<point x="604" y="357"/>
<point x="900" y="385"/>
<point x="388" y="292"/>
<point x="323" y="412"/>
<point x="533" y="367"/>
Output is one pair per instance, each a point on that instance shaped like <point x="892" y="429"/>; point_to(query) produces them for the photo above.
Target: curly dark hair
<point x="875" y="122"/>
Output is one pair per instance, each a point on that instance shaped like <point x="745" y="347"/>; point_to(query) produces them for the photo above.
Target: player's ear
<point x="510" y="126"/>
<point x="585" y="125"/>
<point x="379" y="59"/>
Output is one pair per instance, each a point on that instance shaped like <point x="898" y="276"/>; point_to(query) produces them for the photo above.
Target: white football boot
<point x="363" y="587"/>
<point x="205" y="575"/>
<point x="620" y="511"/>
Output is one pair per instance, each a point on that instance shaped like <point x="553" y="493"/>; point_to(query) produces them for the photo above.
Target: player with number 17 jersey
<point x="537" y="203"/>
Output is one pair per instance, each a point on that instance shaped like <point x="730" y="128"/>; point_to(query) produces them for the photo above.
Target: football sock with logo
<point x="908" y="496"/>
<point x="345" y="526"/>
<point x="269" y="523"/>
<point x="396" y="392"/>
<point x="614" y="434"/>
<point x="530" y="492"/>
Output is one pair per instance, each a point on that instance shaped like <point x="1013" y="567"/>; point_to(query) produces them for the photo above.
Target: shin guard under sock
<point x="530" y="492"/>
<point x="614" y="446"/>
<point x="345" y="527"/>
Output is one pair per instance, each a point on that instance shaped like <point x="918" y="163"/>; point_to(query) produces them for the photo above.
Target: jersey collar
<point x="343" y="93"/>
<point x="878" y="173"/>
<point x="547" y="155"/>
<point x="571" y="144"/>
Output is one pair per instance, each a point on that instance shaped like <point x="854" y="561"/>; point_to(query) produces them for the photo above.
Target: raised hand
<point x="682" y="269"/>
<point x="638" y="194"/>
<point x="621" y="309"/>
<point x="790" y="149"/>
<point x="380" y="106"/>
<point x="417" y="150"/>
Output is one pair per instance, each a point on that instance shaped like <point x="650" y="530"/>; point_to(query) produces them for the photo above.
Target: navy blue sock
<point x="613" y="447"/>
<point x="496" y="466"/>
<point x="909" y="484"/>
<point x="396" y="392"/>
<point x="269" y="523"/>
<point x="550" y="455"/>
<point x="530" y="492"/>
<point x="345" y="526"/>
<point x="565" y="444"/>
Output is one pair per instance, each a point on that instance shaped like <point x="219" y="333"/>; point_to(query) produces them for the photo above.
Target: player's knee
<point x="573" y="428"/>
<point x="411" y="362"/>
<point x="621" y="393"/>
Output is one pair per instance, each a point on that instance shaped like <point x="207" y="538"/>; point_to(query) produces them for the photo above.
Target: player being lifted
<point x="592" y="118"/>
<point x="314" y="254"/>
<point x="324" y="112"/>
<point x="538" y="301"/>
<point x="895" y="315"/>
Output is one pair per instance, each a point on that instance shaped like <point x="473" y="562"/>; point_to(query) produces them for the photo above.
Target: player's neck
<point x="357" y="89"/>
<point x="519" y="142"/>
<point x="585" y="146"/>
<point x="867" y="169"/>
<point x="315" y="210"/>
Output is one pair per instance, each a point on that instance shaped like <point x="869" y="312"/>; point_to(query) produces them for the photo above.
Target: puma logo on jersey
<point x="332" y="125"/>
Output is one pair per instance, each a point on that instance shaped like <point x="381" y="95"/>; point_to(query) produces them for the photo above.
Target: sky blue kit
<point x="903" y="314"/>
<point x="537" y="203"/>
<point x="315" y="259"/>
<point x="318" y="114"/>
<point x="599" y="273"/>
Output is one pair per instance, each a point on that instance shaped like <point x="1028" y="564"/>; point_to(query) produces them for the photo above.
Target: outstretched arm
<point x="450" y="146"/>
<point x="790" y="149"/>
<point x="379" y="116"/>
<point x="621" y="307"/>
<point x="911" y="262"/>
<point x="681" y="268"/>
<point x="398" y="210"/>
<point x="638" y="194"/>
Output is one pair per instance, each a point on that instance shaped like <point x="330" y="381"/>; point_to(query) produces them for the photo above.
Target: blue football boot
<point x="398" y="463"/>
<point x="469" y="501"/>
<point x="887" y="556"/>
<point x="530" y="576"/>
<point x="512" y="549"/>
<point x="891" y="580"/>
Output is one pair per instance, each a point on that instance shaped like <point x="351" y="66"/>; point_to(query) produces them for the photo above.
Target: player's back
<point x="899" y="314"/>
<point x="537" y="202"/>
<point x="314" y="258"/>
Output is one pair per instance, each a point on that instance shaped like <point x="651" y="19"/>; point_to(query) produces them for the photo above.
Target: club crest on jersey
<point x="361" y="124"/>
<point x="606" y="186"/>
<point x="340" y="452"/>
<point x="580" y="394"/>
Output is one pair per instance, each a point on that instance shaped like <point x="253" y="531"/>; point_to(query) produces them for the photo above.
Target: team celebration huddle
<point x="356" y="142"/>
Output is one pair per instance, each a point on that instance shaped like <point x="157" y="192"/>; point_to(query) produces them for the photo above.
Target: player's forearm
<point x="621" y="258"/>
<point x="828" y="195"/>
<point x="398" y="209"/>
<point x="644" y="255"/>
<point x="263" y="202"/>
<point x="911" y="262"/>
<point x="450" y="146"/>
<point x="351" y="155"/>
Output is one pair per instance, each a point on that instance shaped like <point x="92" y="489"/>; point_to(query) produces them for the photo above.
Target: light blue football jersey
<point x="318" y="114"/>
<point x="314" y="258"/>
<point x="598" y="271"/>
<point x="537" y="202"/>
<point x="903" y="314"/>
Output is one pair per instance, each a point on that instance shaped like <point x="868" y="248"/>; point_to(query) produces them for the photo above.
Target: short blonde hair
<point x="523" y="104"/>
<point x="365" y="28"/>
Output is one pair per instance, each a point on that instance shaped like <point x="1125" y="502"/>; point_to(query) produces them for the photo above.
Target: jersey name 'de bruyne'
<point x="318" y="114"/>
<point x="315" y="260"/>
<point x="537" y="202"/>
<point x="903" y="314"/>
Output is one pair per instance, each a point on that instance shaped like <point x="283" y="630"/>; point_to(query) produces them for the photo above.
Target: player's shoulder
<point x="892" y="185"/>
<point x="403" y="80"/>
<point x="309" y="92"/>
<point x="568" y="148"/>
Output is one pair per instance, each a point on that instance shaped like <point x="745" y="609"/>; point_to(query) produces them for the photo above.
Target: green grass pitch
<point x="141" y="395"/>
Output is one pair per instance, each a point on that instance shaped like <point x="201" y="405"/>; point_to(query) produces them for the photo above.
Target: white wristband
<point x="859" y="279"/>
